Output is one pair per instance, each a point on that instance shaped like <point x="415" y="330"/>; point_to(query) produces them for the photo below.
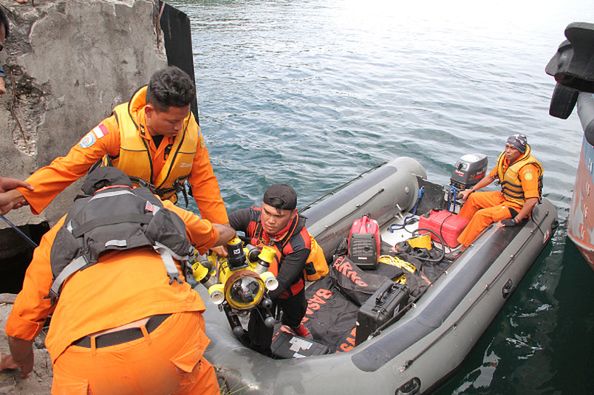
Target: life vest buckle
<point x="174" y="277"/>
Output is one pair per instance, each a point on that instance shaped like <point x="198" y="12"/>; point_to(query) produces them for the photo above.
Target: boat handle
<point x="507" y="288"/>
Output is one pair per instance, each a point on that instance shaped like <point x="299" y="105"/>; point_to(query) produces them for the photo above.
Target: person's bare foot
<point x="6" y="362"/>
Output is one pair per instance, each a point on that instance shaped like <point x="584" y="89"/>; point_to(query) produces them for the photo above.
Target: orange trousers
<point x="481" y="209"/>
<point x="166" y="361"/>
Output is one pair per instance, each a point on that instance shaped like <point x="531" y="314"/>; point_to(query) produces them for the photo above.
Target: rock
<point x="39" y="381"/>
<point x="68" y="62"/>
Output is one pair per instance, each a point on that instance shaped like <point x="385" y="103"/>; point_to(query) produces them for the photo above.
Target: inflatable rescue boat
<point x="423" y="314"/>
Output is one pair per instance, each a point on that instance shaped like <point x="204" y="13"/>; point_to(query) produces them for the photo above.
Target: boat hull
<point x="580" y="228"/>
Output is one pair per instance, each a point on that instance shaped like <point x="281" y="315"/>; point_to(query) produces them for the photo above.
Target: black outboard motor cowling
<point x="469" y="170"/>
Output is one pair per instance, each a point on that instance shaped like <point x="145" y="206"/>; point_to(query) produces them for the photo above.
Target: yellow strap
<point x="395" y="261"/>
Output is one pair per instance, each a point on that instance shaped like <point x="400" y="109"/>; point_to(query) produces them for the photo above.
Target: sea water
<point x="314" y="92"/>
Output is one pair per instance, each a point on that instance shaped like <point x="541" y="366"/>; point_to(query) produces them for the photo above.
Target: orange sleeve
<point x="529" y="175"/>
<point x="200" y="231"/>
<point x="50" y="180"/>
<point x="205" y="186"/>
<point x="32" y="305"/>
<point x="493" y="173"/>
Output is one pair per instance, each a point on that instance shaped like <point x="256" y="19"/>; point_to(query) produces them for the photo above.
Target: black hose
<point x="441" y="241"/>
<point x="407" y="220"/>
<point x="19" y="232"/>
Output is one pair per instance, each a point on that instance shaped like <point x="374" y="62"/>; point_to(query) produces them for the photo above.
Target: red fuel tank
<point x="446" y="224"/>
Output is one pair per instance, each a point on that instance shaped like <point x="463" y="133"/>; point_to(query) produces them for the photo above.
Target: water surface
<point x="314" y="92"/>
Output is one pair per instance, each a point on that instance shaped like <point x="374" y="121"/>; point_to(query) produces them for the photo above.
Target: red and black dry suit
<point x="293" y="248"/>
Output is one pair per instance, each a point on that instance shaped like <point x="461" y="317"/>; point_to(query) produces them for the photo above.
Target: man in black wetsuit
<point x="277" y="223"/>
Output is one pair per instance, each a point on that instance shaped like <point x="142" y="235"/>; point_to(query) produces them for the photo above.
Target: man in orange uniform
<point x="120" y="326"/>
<point x="520" y="175"/>
<point x="154" y="137"/>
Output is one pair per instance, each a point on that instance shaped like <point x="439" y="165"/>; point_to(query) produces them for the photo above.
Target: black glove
<point x="508" y="222"/>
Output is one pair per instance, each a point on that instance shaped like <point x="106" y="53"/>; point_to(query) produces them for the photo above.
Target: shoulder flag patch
<point x="90" y="138"/>
<point x="100" y="130"/>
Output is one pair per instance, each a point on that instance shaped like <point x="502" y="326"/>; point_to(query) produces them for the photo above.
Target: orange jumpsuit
<point x="50" y="180"/>
<point x="122" y="288"/>
<point x="484" y="208"/>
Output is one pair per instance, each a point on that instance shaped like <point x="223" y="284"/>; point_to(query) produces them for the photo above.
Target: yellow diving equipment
<point x="241" y="279"/>
<point x="423" y="241"/>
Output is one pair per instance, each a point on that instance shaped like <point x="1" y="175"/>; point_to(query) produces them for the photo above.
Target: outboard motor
<point x="446" y="225"/>
<point x="469" y="170"/>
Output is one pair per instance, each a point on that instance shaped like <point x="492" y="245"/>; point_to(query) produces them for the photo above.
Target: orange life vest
<point x="511" y="185"/>
<point x="135" y="160"/>
<point x="316" y="266"/>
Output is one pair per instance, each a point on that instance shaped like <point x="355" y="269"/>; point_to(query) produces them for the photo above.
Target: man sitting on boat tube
<point x="520" y="175"/>
<point x="278" y="224"/>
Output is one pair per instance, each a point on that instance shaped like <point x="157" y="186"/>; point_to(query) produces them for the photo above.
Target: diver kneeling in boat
<point x="277" y="223"/>
<point x="520" y="175"/>
<point x="124" y="320"/>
